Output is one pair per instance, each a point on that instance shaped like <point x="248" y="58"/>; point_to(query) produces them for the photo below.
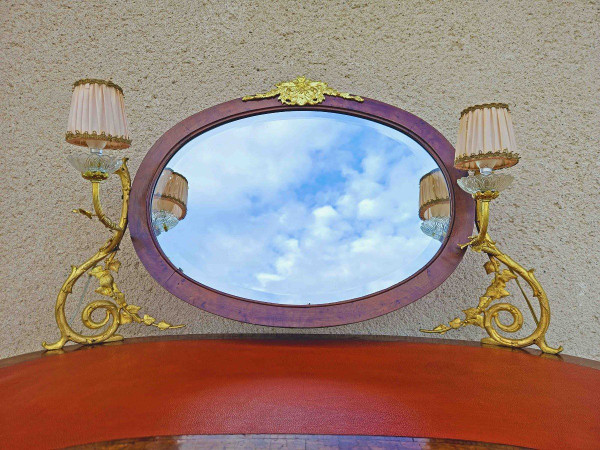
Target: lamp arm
<point x="106" y="221"/>
<point x="483" y="217"/>
<point x="481" y="221"/>
<point x="118" y="311"/>
<point x="486" y="316"/>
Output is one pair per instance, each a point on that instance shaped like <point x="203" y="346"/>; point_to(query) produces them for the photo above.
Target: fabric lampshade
<point x="486" y="138"/>
<point x="98" y="114"/>
<point x="171" y="194"/>
<point x="434" y="200"/>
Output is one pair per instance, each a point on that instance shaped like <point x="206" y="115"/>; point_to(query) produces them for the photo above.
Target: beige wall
<point x="179" y="57"/>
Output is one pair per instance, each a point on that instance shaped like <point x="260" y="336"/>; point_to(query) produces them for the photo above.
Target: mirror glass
<point x="300" y="207"/>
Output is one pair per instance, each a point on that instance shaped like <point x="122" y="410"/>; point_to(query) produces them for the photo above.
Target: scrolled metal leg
<point x="117" y="310"/>
<point x="486" y="315"/>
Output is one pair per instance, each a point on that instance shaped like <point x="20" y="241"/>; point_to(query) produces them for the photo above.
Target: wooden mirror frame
<point x="354" y="310"/>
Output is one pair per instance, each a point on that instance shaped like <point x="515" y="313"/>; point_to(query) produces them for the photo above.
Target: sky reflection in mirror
<point x="301" y="207"/>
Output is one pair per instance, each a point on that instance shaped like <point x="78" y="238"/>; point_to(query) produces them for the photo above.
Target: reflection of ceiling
<point x="298" y="207"/>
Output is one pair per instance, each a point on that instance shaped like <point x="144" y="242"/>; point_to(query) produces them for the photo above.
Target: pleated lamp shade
<point x="486" y="138"/>
<point x="171" y="194"/>
<point x="97" y="117"/>
<point x="434" y="200"/>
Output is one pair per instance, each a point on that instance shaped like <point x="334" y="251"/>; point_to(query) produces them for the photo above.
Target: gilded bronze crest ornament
<point x="302" y="91"/>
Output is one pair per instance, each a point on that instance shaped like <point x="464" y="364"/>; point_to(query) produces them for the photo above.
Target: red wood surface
<point x="299" y="385"/>
<point x="246" y="310"/>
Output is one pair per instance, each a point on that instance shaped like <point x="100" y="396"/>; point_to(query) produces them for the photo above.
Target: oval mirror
<point x="299" y="216"/>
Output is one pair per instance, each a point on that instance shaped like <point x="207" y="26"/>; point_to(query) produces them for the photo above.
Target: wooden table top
<point x="298" y="385"/>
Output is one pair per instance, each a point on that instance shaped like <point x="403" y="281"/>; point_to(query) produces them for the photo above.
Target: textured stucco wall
<point x="176" y="58"/>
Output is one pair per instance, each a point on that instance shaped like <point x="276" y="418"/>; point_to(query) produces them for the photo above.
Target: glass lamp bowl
<point x="495" y="182"/>
<point x="436" y="227"/>
<point x="163" y="221"/>
<point x="95" y="166"/>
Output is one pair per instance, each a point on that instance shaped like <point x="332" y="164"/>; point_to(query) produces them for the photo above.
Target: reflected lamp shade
<point x="434" y="205"/>
<point x="434" y="200"/>
<point x="486" y="138"/>
<point x="97" y="116"/>
<point x="169" y="202"/>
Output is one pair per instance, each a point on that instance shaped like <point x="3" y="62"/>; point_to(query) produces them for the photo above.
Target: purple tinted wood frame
<point x="409" y="290"/>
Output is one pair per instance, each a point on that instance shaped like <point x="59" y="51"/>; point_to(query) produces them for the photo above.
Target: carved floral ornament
<point x="302" y="91"/>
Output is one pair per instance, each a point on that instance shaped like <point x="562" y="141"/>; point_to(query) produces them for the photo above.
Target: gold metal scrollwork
<point x="302" y="91"/>
<point x="118" y="311"/>
<point x="486" y="314"/>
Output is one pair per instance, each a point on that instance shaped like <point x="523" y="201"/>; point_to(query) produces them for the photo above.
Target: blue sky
<point x="301" y="207"/>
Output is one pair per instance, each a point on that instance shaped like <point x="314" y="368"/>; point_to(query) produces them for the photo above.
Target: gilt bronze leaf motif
<point x="302" y="91"/>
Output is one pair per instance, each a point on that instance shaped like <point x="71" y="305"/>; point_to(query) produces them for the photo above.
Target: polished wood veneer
<point x="299" y="385"/>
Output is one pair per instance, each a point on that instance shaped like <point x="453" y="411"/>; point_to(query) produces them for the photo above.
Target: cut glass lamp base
<point x="495" y="182"/>
<point x="95" y="166"/>
<point x="163" y="221"/>
<point x="436" y="227"/>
